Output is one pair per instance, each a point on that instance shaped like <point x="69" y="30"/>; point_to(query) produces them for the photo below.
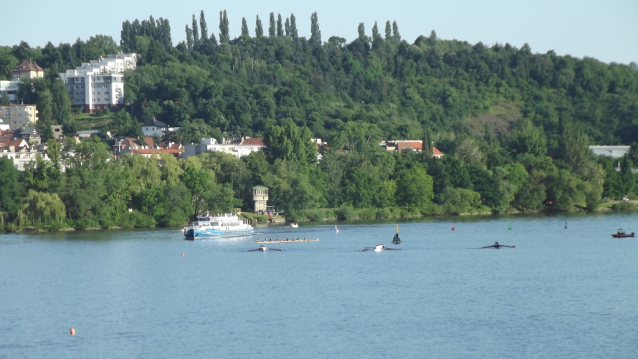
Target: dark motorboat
<point x="622" y="234"/>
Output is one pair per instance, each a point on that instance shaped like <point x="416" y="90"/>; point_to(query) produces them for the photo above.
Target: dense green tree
<point x="291" y="143"/>
<point x="9" y="193"/>
<point x="414" y="188"/>
<point x="41" y="209"/>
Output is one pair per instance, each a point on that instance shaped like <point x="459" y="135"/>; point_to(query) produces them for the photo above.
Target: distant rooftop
<point x="610" y="151"/>
<point x="155" y="123"/>
<point x="27" y="66"/>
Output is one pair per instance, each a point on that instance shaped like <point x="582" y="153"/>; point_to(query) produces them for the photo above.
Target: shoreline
<point x="34" y="230"/>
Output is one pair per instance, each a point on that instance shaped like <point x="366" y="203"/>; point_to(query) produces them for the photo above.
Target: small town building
<point x="237" y="147"/>
<point x="29" y="133"/>
<point x="154" y="127"/>
<point x="260" y="197"/>
<point x="27" y="70"/>
<point x="17" y="116"/>
<point x="610" y="151"/>
<point x="414" y="145"/>
<point x="56" y="130"/>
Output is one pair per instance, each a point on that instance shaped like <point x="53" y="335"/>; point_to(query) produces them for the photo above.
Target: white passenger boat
<point x="217" y="226"/>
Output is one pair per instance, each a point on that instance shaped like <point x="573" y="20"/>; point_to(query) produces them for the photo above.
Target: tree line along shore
<point x="514" y="127"/>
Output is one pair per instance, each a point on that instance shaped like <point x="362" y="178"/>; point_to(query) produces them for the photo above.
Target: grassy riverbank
<point x="320" y="214"/>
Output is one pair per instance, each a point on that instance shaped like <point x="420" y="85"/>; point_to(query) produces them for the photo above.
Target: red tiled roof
<point x="27" y="66"/>
<point x="149" y="141"/>
<point x="258" y="141"/>
<point x="415" y="145"/>
<point x="7" y="134"/>
<point x="156" y="150"/>
<point x="5" y="142"/>
<point x="435" y="151"/>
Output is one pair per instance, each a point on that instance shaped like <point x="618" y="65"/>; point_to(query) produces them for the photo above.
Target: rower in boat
<point x="496" y="245"/>
<point x="263" y="248"/>
<point x="396" y="239"/>
<point x="379" y="248"/>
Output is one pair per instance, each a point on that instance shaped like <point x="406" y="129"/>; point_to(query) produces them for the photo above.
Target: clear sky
<point x="605" y="30"/>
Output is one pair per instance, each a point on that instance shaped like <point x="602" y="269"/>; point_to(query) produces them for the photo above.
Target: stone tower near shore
<point x="260" y="196"/>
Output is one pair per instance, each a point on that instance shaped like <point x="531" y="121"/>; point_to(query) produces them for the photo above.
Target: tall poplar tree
<point x="224" y="32"/>
<point x="271" y="26"/>
<point x="395" y="32"/>
<point x="293" y="27"/>
<point x="287" y="26"/>
<point x="259" y="29"/>
<point x="362" y="31"/>
<point x="203" y="26"/>
<point x="244" y="27"/>
<point x="125" y="36"/>
<point x="195" y="30"/>
<point x="388" y="30"/>
<point x="189" y="38"/>
<point x="375" y="32"/>
<point x="315" y="32"/>
<point x="280" y="29"/>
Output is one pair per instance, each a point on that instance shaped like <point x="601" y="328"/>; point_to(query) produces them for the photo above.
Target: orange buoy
<point x="72" y="330"/>
<point x="182" y="254"/>
<point x="453" y="227"/>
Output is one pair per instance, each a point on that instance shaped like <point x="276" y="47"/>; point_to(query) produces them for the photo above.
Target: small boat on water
<point x="294" y="240"/>
<point x="294" y="225"/>
<point x="336" y="229"/>
<point x="622" y="234"/>
<point x="217" y="226"/>
<point x="379" y="248"/>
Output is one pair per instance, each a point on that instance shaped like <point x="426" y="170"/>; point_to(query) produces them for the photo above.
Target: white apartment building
<point x="99" y="84"/>
<point x="237" y="147"/>
<point x="10" y="88"/>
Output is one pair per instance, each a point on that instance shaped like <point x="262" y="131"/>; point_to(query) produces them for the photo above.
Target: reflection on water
<point x="129" y="293"/>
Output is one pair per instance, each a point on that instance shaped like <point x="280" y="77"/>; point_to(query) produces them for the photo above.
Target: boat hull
<point x="208" y="233"/>
<point x="623" y="235"/>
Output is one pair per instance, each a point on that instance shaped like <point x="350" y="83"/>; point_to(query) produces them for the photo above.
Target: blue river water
<point x="561" y="293"/>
